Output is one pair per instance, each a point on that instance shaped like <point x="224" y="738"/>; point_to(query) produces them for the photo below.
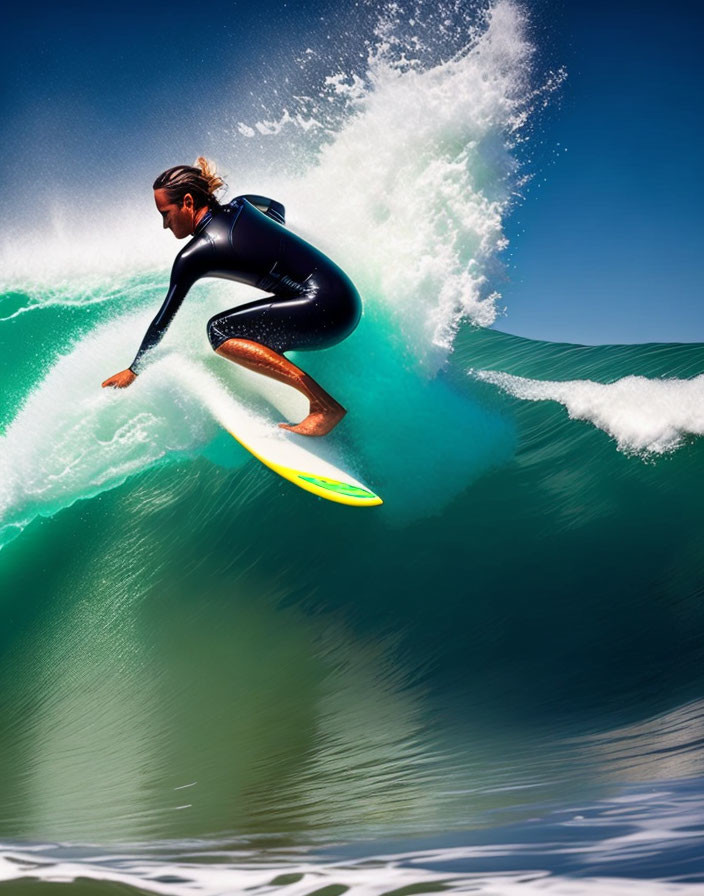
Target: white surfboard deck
<point x="311" y="463"/>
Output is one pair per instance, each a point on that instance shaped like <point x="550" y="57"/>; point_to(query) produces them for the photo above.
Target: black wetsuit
<point x="314" y="304"/>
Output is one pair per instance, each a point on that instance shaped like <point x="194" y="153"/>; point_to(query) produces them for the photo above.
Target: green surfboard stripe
<point x="342" y="488"/>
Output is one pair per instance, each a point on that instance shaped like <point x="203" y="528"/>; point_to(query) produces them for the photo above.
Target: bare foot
<point x="320" y="420"/>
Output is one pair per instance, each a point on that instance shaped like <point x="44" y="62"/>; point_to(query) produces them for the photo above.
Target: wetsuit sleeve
<point x="183" y="276"/>
<point x="273" y="209"/>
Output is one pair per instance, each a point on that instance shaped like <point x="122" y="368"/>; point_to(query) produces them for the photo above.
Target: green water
<point x="207" y="651"/>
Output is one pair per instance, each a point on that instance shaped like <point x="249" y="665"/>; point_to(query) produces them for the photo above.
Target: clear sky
<point x="606" y="246"/>
<point x="609" y="245"/>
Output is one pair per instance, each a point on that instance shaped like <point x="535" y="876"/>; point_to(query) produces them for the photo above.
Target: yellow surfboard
<point x="307" y="470"/>
<point x="312" y="464"/>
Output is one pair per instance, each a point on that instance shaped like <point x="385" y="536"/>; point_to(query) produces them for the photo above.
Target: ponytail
<point x="200" y="180"/>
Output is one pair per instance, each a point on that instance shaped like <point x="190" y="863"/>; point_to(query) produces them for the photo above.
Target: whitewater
<point x="212" y="682"/>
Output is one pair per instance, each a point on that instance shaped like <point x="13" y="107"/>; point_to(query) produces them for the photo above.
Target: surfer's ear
<point x="187" y="201"/>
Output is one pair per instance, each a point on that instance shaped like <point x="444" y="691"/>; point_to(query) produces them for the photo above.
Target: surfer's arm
<point x="271" y="208"/>
<point x="183" y="277"/>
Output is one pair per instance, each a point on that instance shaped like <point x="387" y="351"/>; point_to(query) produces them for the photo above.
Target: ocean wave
<point x="644" y="416"/>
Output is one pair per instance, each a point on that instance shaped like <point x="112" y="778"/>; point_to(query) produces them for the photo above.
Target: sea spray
<point x="423" y="170"/>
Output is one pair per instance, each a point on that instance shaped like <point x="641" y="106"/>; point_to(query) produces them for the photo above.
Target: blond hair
<point x="201" y="180"/>
<point x="207" y="170"/>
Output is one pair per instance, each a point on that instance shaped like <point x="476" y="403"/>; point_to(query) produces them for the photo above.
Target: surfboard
<point x="312" y="464"/>
<point x="302" y="467"/>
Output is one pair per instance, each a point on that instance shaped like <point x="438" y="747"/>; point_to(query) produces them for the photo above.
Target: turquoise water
<point x="211" y="681"/>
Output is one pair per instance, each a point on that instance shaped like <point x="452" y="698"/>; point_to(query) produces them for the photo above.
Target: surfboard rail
<point x="351" y="493"/>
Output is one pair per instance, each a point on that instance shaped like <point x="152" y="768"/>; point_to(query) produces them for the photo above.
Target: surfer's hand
<point x="121" y="380"/>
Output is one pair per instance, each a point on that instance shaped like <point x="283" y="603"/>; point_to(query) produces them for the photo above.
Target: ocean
<point x="213" y="682"/>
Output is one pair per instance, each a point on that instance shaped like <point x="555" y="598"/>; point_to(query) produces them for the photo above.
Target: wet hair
<point x="200" y="180"/>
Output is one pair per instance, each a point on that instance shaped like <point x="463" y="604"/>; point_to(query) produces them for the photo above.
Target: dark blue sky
<point x="100" y="88"/>
<point x="606" y="246"/>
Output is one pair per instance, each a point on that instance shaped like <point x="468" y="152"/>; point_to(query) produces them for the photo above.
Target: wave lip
<point x="645" y="416"/>
<point x="424" y="148"/>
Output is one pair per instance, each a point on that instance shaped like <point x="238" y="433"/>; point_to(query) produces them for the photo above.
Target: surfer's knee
<point x="215" y="336"/>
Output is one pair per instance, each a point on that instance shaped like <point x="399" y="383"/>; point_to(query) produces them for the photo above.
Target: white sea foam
<point x="72" y="439"/>
<point x="644" y="416"/>
<point x="84" y="248"/>
<point x="411" y="192"/>
<point x="358" y="878"/>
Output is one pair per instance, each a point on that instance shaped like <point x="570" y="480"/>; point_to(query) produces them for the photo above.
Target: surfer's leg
<point x="325" y="413"/>
<point x="257" y="334"/>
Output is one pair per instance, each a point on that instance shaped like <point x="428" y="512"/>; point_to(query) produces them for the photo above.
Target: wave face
<point x="211" y="681"/>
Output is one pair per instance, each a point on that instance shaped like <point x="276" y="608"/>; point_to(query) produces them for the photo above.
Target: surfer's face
<point x="179" y="219"/>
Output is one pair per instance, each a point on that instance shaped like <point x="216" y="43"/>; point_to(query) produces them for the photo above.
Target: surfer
<point x="312" y="303"/>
